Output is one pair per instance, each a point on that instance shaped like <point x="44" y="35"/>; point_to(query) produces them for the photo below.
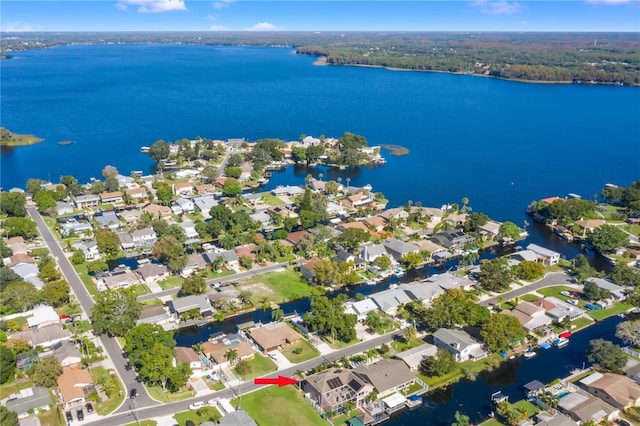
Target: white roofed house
<point x="152" y="272"/>
<point x="546" y="256"/>
<point x="204" y="203"/>
<point x="120" y="277"/>
<point x="42" y="316"/>
<point x="289" y="191"/>
<point x="198" y="302"/>
<point x="144" y="238"/>
<point x="195" y="262"/>
<point x="460" y="344"/>
<point x="398" y="248"/>
<point x="75" y="227"/>
<point x="360" y="308"/>
<point x="86" y="201"/>
<point x="29" y="273"/>
<point x="183" y="189"/>
<point x="185" y="205"/>
<point x="426" y="292"/>
<point x="389" y="300"/>
<point x="617" y="293"/>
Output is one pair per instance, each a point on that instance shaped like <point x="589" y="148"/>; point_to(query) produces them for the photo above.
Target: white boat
<point x="530" y="353"/>
<point x="560" y="342"/>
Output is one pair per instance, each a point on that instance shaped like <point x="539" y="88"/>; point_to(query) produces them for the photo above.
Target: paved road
<point x="129" y="410"/>
<point x="228" y="278"/>
<point x="111" y="345"/>
<point x="551" y="279"/>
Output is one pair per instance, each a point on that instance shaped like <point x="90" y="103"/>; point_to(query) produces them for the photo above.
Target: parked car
<point x="575" y="294"/>
<point x="133" y="393"/>
<point x="623" y="422"/>
<point x="80" y="414"/>
<point x="196" y="405"/>
<point x="89" y="407"/>
<point x="573" y="301"/>
<point x="566" y="293"/>
<point x="213" y="401"/>
<point x="213" y="376"/>
<point x="69" y="416"/>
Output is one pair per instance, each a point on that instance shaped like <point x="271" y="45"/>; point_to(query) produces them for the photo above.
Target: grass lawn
<point x="143" y="423"/>
<point x="208" y="414"/>
<point x="531" y="409"/>
<point x="277" y="286"/>
<point x="459" y="372"/>
<point x="15" y="386"/>
<point x="272" y="200"/>
<point x="581" y="323"/>
<point x="213" y="385"/>
<point x="307" y="353"/>
<point x="156" y="393"/>
<point x="633" y="414"/>
<point x="291" y="409"/>
<point x="86" y="279"/>
<point x="339" y="344"/>
<point x="618" y="308"/>
<point x="209" y="275"/>
<point x="40" y="252"/>
<point x="260" y="365"/>
<point x="342" y="418"/>
<point x="413" y="388"/>
<point x="142" y="289"/>
<point x="528" y="297"/>
<point x="107" y="406"/>
<point x="52" y="417"/>
<point x="555" y="292"/>
<point x="401" y="345"/>
<point x="171" y="282"/>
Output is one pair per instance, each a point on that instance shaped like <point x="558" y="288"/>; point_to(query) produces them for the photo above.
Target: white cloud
<point x="153" y="6"/>
<point x="18" y="27"/>
<point x="499" y="7"/>
<point x="222" y="4"/>
<point x="218" y="28"/>
<point x="608" y="1"/>
<point x="263" y="26"/>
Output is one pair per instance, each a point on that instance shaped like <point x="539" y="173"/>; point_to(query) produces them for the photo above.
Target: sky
<point x="317" y="15"/>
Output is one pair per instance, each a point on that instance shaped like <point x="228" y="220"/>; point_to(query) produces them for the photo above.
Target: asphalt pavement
<point x="550" y="279"/>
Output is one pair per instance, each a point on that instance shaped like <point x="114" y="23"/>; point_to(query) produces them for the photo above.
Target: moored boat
<point x="529" y="353"/>
<point x="414" y="401"/>
<point x="560" y="342"/>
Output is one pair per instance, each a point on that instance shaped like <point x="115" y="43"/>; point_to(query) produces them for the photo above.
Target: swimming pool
<point x="563" y="393"/>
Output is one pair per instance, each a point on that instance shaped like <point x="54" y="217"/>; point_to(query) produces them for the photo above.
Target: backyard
<point x="156" y="393"/>
<point x="279" y="287"/>
<point x="204" y="414"/>
<point x="301" y="351"/>
<point x="260" y="366"/>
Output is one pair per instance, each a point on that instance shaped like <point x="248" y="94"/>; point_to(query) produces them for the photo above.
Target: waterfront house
<point x="460" y="344"/>
<point x="144" y="238"/>
<point x="152" y="272"/>
<point x="398" y="248"/>
<point x="137" y="194"/>
<point x="187" y="173"/>
<point x="195" y="263"/>
<point x="434" y="214"/>
<point x="120" y="277"/>
<point x="530" y="316"/>
<point x="230" y="258"/>
<point x="360" y="308"/>
<point x="545" y="256"/>
<point x="273" y="336"/>
<point x="73" y="227"/>
<point x="306" y="268"/>
<point x="29" y="272"/>
<point x="67" y="353"/>
<point x="25" y="360"/>
<point x="376" y="223"/>
<point x="205" y="188"/>
<point x="426" y="292"/>
<point x="42" y="316"/>
<point x="545" y="418"/>
<point x="190" y="357"/>
<point x="395" y="213"/>
<point x="453" y="239"/>
<point x="589" y="225"/>
<point x="216" y="351"/>
<point x="449" y="280"/>
<point x="435" y="250"/>
<point x="389" y="300"/>
<point x="86" y="201"/>
<point x="582" y="407"/>
<point x="387" y="376"/>
<point x="74" y="385"/>
<point x="107" y="219"/>
<point x="63" y="208"/>
<point x="126" y="242"/>
<point x="185" y="205"/>
<point x="615" y="389"/>
<point x="183" y="189"/>
<point x="489" y="230"/>
<point x="456" y="219"/>
<point x="288" y="191"/>
<point x="157" y="211"/>
<point x="204" y="203"/>
<point x="334" y="388"/>
<point x="371" y="252"/>
<point x="357" y="225"/>
<point x="30" y="401"/>
<point x="225" y="295"/>
<point x="154" y="314"/>
<point x="130" y="216"/>
<point x="558" y="309"/>
<point x="357" y="200"/>
<point x="125" y="181"/>
<point x="617" y="293"/>
<point x="343" y="256"/>
<point x="524" y="255"/>
<point x="198" y="302"/>
<point x="114" y="197"/>
<point x="413" y="357"/>
<point x="43" y="336"/>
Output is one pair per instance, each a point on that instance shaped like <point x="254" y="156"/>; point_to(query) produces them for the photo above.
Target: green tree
<point x="46" y="372"/>
<point x="353" y="237"/>
<point x="111" y="184"/>
<point x="439" y="365"/>
<point x="629" y="331"/>
<point x="20" y="226"/>
<point x="55" y="293"/>
<point x="171" y="252"/>
<point x="77" y="258"/>
<point x="625" y="275"/>
<point x="608" y="237"/>
<point x="97" y="266"/>
<point x="115" y="312"/>
<point x="142" y="338"/>
<point x="8" y="418"/>
<point x="33" y="185"/>
<point x="411" y="260"/>
<point x="163" y="192"/>
<point x="529" y="270"/>
<point x="461" y="420"/>
<point x="495" y="274"/>
<point x="582" y="269"/>
<point x="509" y="230"/>
<point x="325" y="272"/>
<point x="501" y="332"/>
<point x="233" y="172"/>
<point x="455" y="307"/>
<point x="243" y="368"/>
<point x="610" y="356"/>
<point x="159" y="150"/>
<point x="382" y="262"/>
<point x="373" y="320"/>
<point x="246" y="261"/>
<point x="327" y="317"/>
<point x="7" y="364"/>
<point x="231" y="188"/>
<point x="156" y="366"/>
<point x="409" y="334"/>
<point x="13" y="204"/>
<point x="194" y="284"/>
<point x="277" y="315"/>
<point x="231" y="355"/>
<point x="44" y="200"/>
<point x="592" y="291"/>
<point x="108" y="243"/>
<point x="7" y="276"/>
<point x="20" y="296"/>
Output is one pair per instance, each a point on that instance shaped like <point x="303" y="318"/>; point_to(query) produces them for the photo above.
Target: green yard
<point x="528" y="297"/>
<point x="339" y="344"/>
<point x="581" y="323"/>
<point x="272" y="200"/>
<point x="522" y="404"/>
<point x="617" y="308"/>
<point x="402" y="345"/>
<point x="341" y="420"/>
<point x="204" y="414"/>
<point x="260" y="365"/>
<point x="555" y="292"/>
<point x="156" y="393"/>
<point x="15" y="386"/>
<point x="86" y="279"/>
<point x="304" y="352"/>
<point x="172" y="281"/>
<point x="467" y="367"/>
<point x="279" y="287"/>
<point x="107" y="406"/>
<point x="273" y="406"/>
<point x="143" y="423"/>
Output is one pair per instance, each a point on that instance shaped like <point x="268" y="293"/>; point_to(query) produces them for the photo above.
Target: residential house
<point x="453" y="239"/>
<point x="137" y="194"/>
<point x="157" y="211"/>
<point x="236" y="418"/>
<point x="284" y="211"/>
<point x="334" y="210"/>
<point x="456" y="219"/>
<point x="114" y="197"/>
<point x="531" y="316"/>
<point x="107" y="219"/>
<point x="261" y="217"/>
<point x="357" y="200"/>
<point x="434" y="214"/>
<point x="74" y="385"/>
<point x="546" y="256"/>
<point x="119" y="277"/>
<point x="632" y="370"/>
<point x="217" y="351"/>
<point x="589" y="225"/>
<point x="376" y="223"/>
<point x="67" y="353"/>
<point x="334" y="388"/>
<point x="183" y="189"/>
<point x="371" y="252"/>
<point x="435" y="249"/>
<point x="125" y="181"/>
<point x="29" y="273"/>
<point x="449" y="280"/>
<point x="230" y="258"/>
<point x="63" y="208"/>
<point x="42" y="316"/>
<point x="525" y="255"/>
<point x="190" y="232"/>
<point x="396" y="213"/>
<point x="86" y="201"/>
<point x="387" y="376"/>
<point x="152" y="272"/>
<point x="187" y="174"/>
<point x="344" y="256"/>
<point x="398" y="249"/>
<point x="615" y="389"/>
<point x="73" y="227"/>
<point x="195" y="263"/>
<point x="205" y="188"/>
<point x="17" y="245"/>
<point x="204" y="203"/>
<point x="19" y="258"/>
<point x="89" y="249"/>
<point x="460" y="344"/>
<point x="489" y="230"/>
<point x="224" y="295"/>
<point x="582" y="407"/>
<point x="558" y="309"/>
<point x="295" y="237"/>
<point x="185" y="205"/>
<point x="126" y="242"/>
<point x="413" y="357"/>
<point x="25" y="360"/>
<point x="306" y="268"/>
<point x="30" y="401"/>
<point x="425" y="291"/>
<point x="360" y="308"/>
<point x="144" y="238"/>
<point x="274" y="336"/>
<point x="389" y="300"/>
<point x="198" y="302"/>
<point x="154" y="314"/>
<point x="130" y="216"/>
<point x="618" y="293"/>
<point x="43" y="336"/>
<point x="288" y="191"/>
<point x="545" y="418"/>
<point x="356" y="225"/>
<point x="190" y="357"/>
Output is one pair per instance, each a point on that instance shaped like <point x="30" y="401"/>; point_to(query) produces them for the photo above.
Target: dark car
<point x="133" y="393"/>
<point x="89" y="407"/>
<point x="69" y="416"/>
<point x="80" y="414"/>
<point x="623" y="422"/>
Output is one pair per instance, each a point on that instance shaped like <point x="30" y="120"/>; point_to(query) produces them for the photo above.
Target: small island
<point x="7" y="138"/>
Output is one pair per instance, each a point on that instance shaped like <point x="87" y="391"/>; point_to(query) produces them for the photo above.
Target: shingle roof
<point x="274" y="335"/>
<point x="386" y="374"/>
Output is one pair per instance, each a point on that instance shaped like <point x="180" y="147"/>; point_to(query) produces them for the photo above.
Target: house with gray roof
<point x="559" y="309"/>
<point x="263" y="218"/>
<point x="371" y="252"/>
<point x="230" y="257"/>
<point x="185" y="205"/>
<point x="389" y="300"/>
<point x="31" y="400"/>
<point x="144" y="238"/>
<point x="617" y="293"/>
<point x="29" y="273"/>
<point x="86" y="201"/>
<point x="425" y="292"/>
<point x="63" y="208"/>
<point x="453" y="239"/>
<point x="200" y="302"/>
<point x="582" y="407"/>
<point x="153" y="314"/>
<point x="43" y="336"/>
<point x="223" y="295"/>
<point x="398" y="248"/>
<point x="459" y="343"/>
<point x="75" y="227"/>
<point x="204" y="203"/>
<point x="546" y="256"/>
<point x="119" y="277"/>
<point x="387" y="376"/>
<point x="236" y="418"/>
<point x="126" y="242"/>
<point x="67" y="353"/>
<point x="414" y="356"/>
<point x="195" y="262"/>
<point x="333" y="388"/>
<point x="289" y="190"/>
<point x="450" y="280"/>
<point x="107" y="219"/>
<point x="152" y="272"/>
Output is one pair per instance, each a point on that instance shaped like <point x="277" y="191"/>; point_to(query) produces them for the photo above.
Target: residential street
<point x="551" y="279"/>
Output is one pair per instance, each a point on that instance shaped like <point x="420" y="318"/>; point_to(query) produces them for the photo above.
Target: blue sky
<point x="314" y="15"/>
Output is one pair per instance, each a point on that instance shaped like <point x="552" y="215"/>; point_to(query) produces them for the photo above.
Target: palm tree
<point x="277" y="315"/>
<point x="409" y="334"/>
<point x="231" y="355"/>
<point x="300" y="375"/>
<point x="348" y="181"/>
<point x="465" y="201"/>
<point x="307" y="178"/>
<point x="320" y="176"/>
<point x="371" y="354"/>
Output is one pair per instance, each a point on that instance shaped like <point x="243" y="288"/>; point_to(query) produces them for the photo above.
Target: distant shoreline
<point x="13" y="139"/>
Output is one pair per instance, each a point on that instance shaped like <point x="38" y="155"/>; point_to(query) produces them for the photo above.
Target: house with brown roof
<point x="190" y="357"/>
<point x="216" y="351"/>
<point x="19" y="258"/>
<point x="195" y="262"/>
<point x="356" y="200"/>
<point x="306" y="268"/>
<point x="74" y="385"/>
<point x="357" y="225"/>
<point x="334" y="388"/>
<point x="157" y="211"/>
<point x="137" y="194"/>
<point x="205" y="188"/>
<point x="295" y="237"/>
<point x="376" y="223"/>
<point x="183" y="189"/>
<point x="582" y="407"/>
<point x="615" y="389"/>
<point x="395" y="213"/>
<point x="114" y="197"/>
<point x="271" y="337"/>
<point x="530" y="316"/>
<point x="387" y="376"/>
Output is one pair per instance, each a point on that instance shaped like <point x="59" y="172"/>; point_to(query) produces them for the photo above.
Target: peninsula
<point x="7" y="138"/>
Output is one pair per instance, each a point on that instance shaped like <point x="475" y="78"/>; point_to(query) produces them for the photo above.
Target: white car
<point x="196" y="405"/>
<point x="573" y="301"/>
<point x="565" y="293"/>
<point x="213" y="376"/>
<point x="213" y="401"/>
